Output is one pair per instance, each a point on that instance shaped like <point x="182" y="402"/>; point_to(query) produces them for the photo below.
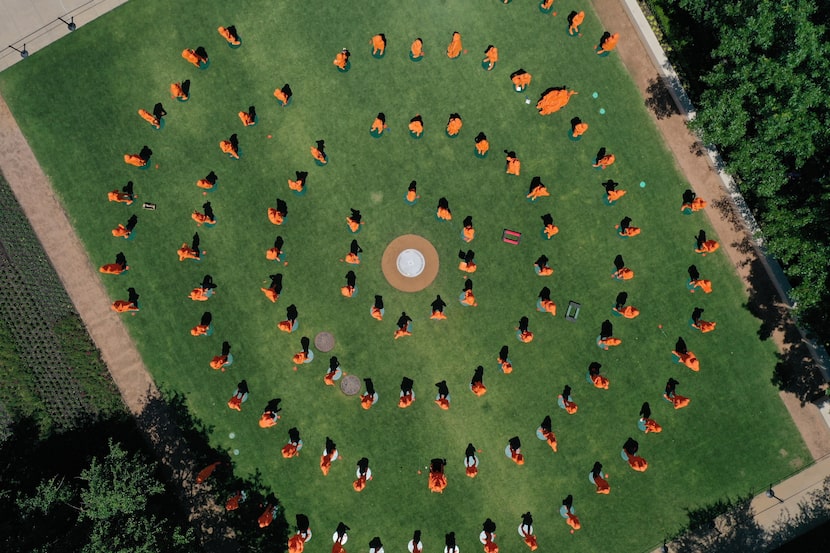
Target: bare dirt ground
<point x="735" y="240"/>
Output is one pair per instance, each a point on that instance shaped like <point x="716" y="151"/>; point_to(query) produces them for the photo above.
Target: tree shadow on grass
<point x="796" y="371"/>
<point x="659" y="100"/>
<point x="181" y="442"/>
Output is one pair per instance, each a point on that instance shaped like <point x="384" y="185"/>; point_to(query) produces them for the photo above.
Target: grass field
<point x="76" y="102"/>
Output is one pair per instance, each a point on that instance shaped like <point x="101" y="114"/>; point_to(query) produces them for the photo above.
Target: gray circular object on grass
<point x="350" y="385"/>
<point x="324" y="341"/>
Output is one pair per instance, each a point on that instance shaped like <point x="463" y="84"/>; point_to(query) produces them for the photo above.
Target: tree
<point x="765" y="105"/>
<point x="111" y="507"/>
<point x="119" y="484"/>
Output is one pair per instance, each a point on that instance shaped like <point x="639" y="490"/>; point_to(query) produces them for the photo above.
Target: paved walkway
<point x="36" y="23"/>
<point x="80" y="278"/>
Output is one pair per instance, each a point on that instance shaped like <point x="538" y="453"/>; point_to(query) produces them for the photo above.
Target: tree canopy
<point x="765" y="105"/>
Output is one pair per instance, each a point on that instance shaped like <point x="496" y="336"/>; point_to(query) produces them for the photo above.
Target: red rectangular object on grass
<point x="511" y="236"/>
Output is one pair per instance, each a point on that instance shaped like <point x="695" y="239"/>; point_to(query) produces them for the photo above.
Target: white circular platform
<point x="410" y="263"/>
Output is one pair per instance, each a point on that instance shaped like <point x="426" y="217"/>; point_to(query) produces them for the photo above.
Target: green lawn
<point x="76" y="102"/>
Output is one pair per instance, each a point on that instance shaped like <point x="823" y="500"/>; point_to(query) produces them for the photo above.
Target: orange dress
<point x="548" y="307"/>
<point x="538" y="192"/>
<point x="275" y="216"/>
<point x="191" y="56"/>
<point x="454" y="126"/>
<point x="708" y="247"/>
<point x="416" y="127"/>
<point x="186" y="253"/>
<point x="205" y="473"/>
<point x="482" y="147"/>
<point x="491" y="56"/>
<point x="281" y="96"/>
<point x="340" y="60"/>
<point x="600" y="381"/>
<point x="227" y="147"/>
<point x="469" y="298"/>
<point x="199" y="294"/>
<point x="579" y="129"/>
<point x="378" y="126"/>
<point x="176" y="91"/>
<point x="296" y="185"/>
<point x="120" y="197"/>
<point x="605" y="161"/>
<point x="623" y="274"/>
<point x="246" y="119"/>
<point x="121" y="231"/>
<point x="290" y="450"/>
<point x="550" y="438"/>
<point x="551" y="231"/>
<point x="226" y="34"/>
<point x="520" y="82"/>
<point x="705" y="285"/>
<point x="576" y="22"/>
<point x="454" y="49"/>
<point x="553" y="101"/>
<point x="318" y="155"/>
<point x="271" y="294"/>
<point x="514" y="166"/>
<point x="416" y="51"/>
<point x="651" y="425"/>
<point x="629" y="311"/>
<point x="134" y="159"/>
<point x="150" y="118"/>
<point x="615" y="195"/>
<point x="112" y="269"/>
<point x="696" y="205"/>
<point x="608" y="44"/>
<point x="704" y="326"/>
<point x="122" y="306"/>
<point x="437" y="482"/>
<point x="354" y="226"/>
<point x="378" y="45"/>
<point x="605" y="343"/>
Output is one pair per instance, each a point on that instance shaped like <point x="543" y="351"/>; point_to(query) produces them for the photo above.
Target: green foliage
<point x="118" y="484"/>
<point x="80" y="353"/>
<point x="730" y="526"/>
<point x="48" y="493"/>
<point x="16" y="394"/>
<point x="703" y="517"/>
<point x="81" y="491"/>
<point x="49" y="367"/>
<point x="773" y="58"/>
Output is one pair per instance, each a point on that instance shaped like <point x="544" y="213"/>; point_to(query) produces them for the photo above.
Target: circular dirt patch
<point x="324" y="341"/>
<point x="350" y="385"/>
<point x="410" y="263"/>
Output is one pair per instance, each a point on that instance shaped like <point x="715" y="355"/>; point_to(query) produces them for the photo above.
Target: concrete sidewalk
<point x="36" y="23"/>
